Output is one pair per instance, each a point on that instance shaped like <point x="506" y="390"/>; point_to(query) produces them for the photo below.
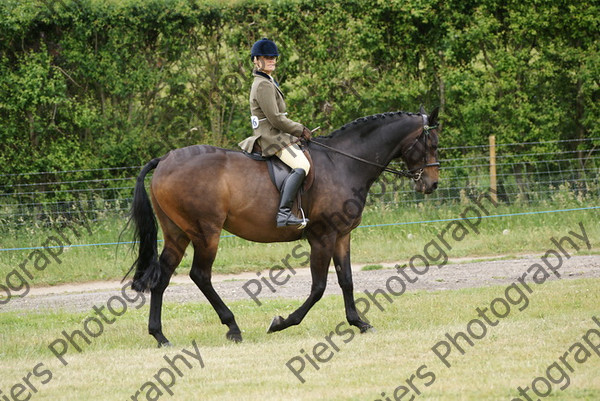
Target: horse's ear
<point x="422" y="110"/>
<point x="433" y="117"/>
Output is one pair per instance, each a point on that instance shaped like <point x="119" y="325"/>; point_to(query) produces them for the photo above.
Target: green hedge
<point x="105" y="83"/>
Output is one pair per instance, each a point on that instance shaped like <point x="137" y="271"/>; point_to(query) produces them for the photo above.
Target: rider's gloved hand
<point x="306" y="134"/>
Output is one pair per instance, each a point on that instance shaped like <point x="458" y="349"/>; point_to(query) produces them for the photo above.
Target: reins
<point x="414" y="173"/>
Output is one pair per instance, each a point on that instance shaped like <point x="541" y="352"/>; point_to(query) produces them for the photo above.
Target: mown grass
<point x="372" y="243"/>
<point x="512" y="353"/>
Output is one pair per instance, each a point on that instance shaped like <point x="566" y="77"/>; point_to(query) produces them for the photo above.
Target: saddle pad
<point x="278" y="170"/>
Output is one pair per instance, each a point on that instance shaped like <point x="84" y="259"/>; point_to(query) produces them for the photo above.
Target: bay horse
<point x="198" y="191"/>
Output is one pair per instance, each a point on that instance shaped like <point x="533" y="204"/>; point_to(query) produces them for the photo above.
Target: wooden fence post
<point x="493" y="183"/>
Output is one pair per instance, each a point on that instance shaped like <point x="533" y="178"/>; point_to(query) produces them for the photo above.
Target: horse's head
<point x="421" y="156"/>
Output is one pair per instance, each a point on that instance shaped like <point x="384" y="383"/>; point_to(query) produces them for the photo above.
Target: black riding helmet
<point x="264" y="47"/>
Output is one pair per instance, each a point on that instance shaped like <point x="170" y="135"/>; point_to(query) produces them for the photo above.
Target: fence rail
<point x="525" y="173"/>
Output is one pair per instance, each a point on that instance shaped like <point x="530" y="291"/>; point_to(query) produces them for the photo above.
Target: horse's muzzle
<point x="424" y="187"/>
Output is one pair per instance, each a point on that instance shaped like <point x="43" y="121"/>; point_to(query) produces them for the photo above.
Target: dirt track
<point x="459" y="274"/>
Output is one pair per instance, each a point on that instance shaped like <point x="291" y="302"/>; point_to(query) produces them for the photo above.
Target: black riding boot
<point x="291" y="185"/>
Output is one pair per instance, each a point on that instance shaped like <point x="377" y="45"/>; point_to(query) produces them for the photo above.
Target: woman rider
<point x="275" y="134"/>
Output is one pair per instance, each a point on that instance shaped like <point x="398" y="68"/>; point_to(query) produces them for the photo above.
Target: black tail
<point x="147" y="266"/>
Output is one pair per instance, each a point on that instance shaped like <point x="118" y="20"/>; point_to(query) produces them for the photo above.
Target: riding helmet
<point x="264" y="47"/>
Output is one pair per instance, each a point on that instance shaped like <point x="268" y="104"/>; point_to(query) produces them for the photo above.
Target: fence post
<point x="493" y="183"/>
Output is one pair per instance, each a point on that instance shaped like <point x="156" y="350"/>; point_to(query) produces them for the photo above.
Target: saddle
<point x="278" y="170"/>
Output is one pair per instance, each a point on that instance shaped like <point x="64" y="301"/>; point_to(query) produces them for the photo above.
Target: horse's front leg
<point x="341" y="259"/>
<point x="320" y="257"/>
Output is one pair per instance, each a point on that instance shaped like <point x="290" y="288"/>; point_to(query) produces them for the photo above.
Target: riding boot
<point x="290" y="188"/>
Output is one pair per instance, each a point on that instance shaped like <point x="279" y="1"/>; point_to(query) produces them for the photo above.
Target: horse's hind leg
<point x="169" y="260"/>
<point x="175" y="243"/>
<point x="205" y="251"/>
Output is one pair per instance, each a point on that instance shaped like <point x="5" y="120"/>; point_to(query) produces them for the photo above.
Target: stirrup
<point x="292" y="221"/>
<point x="288" y="215"/>
<point x="302" y="225"/>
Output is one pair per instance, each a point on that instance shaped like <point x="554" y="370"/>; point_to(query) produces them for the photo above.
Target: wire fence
<point x="525" y="173"/>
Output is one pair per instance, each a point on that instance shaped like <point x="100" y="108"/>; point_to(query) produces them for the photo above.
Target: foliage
<point x="104" y="83"/>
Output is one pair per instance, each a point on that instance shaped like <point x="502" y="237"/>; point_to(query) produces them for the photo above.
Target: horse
<point x="198" y="191"/>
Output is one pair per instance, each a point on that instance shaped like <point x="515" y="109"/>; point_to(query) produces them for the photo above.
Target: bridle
<point x="415" y="173"/>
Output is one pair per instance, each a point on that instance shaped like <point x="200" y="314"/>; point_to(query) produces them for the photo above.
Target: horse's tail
<point x="147" y="266"/>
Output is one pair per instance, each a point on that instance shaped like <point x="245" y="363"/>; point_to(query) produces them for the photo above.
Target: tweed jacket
<point x="272" y="129"/>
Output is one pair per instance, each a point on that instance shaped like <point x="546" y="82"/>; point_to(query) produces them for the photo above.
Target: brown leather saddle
<point x="278" y="170"/>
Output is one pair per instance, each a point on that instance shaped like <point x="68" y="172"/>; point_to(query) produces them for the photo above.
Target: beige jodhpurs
<point x="294" y="157"/>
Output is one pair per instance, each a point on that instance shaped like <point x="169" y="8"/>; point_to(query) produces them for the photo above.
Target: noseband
<point x="415" y="173"/>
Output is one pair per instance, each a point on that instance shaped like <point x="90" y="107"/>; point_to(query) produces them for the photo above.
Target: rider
<point x="275" y="134"/>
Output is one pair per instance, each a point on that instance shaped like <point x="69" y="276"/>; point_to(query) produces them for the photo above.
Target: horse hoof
<point x="368" y="329"/>
<point x="165" y="345"/>
<point x="235" y="337"/>
<point x="277" y="321"/>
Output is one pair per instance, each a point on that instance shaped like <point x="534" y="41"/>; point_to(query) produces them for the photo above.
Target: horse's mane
<point x="363" y="121"/>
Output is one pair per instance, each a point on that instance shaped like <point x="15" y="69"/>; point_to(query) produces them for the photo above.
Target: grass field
<point x="397" y="362"/>
<point x="123" y="360"/>
<point x="510" y="235"/>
